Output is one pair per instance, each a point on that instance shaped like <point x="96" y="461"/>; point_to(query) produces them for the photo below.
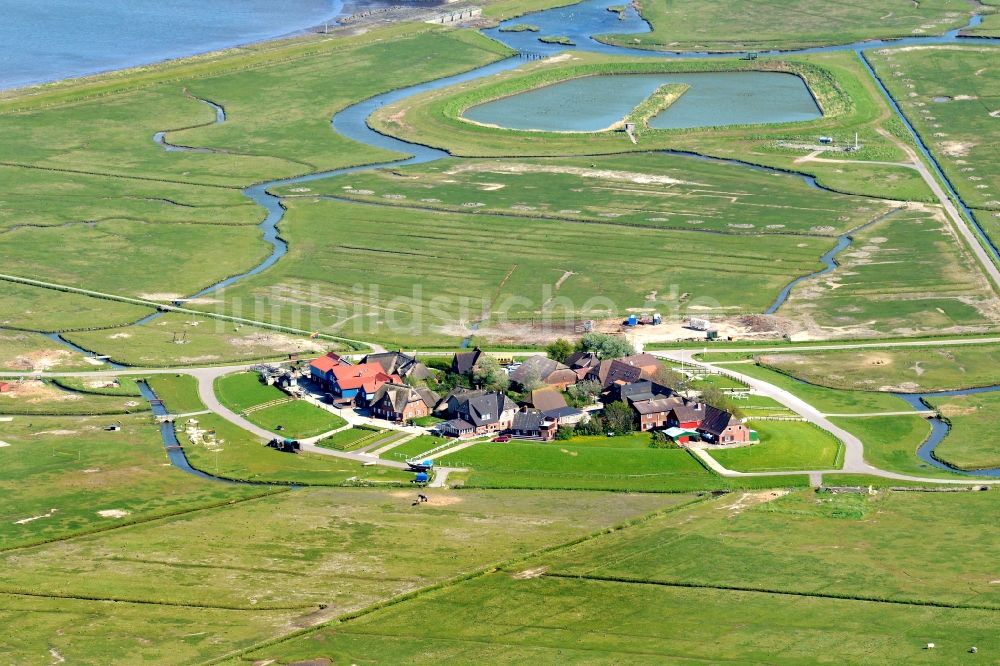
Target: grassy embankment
<point x="850" y="101"/>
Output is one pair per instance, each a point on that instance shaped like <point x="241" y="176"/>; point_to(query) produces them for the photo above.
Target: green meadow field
<point x="274" y="566"/>
<point x="688" y="25"/>
<point x="750" y="562"/>
<point x="411" y="280"/>
<point x="902" y="370"/>
<point x="969" y="443"/>
<point x="951" y="95"/>
<point x="174" y="340"/>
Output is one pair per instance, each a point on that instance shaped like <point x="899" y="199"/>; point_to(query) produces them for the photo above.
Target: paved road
<point x="854" y="461"/>
<point x="854" y="449"/>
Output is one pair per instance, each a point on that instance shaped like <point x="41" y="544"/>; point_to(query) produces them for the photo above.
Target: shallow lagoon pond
<point x="594" y="103"/>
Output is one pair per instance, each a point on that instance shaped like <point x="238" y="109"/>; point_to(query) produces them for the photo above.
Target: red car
<point x="502" y="439"/>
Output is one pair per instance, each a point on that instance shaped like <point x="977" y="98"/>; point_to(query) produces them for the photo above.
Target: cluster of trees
<point x="617" y="417"/>
<point x="602" y="344"/>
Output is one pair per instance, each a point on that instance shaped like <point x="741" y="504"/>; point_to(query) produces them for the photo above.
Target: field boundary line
<point x="147" y="602"/>
<point x="275" y="490"/>
<point x="169" y="307"/>
<point x="452" y="582"/>
<point x="762" y="590"/>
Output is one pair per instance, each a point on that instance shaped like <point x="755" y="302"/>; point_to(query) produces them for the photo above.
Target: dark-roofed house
<point x="566" y="416"/>
<point x="625" y="370"/>
<point x="721" y="427"/>
<point x="456" y="397"/>
<point x="582" y="362"/>
<point x="463" y="363"/>
<point x="399" y="363"/>
<point x="402" y="403"/>
<point x="654" y="413"/>
<point x="637" y="392"/>
<point x="686" y="414"/>
<point x="533" y="424"/>
<point x="485" y="412"/>
<point x="547" y="398"/>
<point x="457" y="428"/>
<point x="545" y="370"/>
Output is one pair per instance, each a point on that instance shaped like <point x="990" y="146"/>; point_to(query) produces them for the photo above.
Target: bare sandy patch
<point x="4" y="444"/>
<point x="40" y="361"/>
<point x="583" y="172"/>
<point x="277" y="342"/>
<point x="113" y="513"/>
<point x="30" y="519"/>
<point x="747" y="500"/>
<point x="528" y="574"/>
<point x="57" y="433"/>
<point x="957" y="148"/>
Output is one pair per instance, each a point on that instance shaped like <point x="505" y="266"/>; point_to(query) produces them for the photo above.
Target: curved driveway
<point x="854" y="449"/>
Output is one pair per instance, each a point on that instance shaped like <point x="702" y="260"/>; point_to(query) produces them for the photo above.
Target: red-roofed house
<point x="357" y="384"/>
<point x="321" y="369"/>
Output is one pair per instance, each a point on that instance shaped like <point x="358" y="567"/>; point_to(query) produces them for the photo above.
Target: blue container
<point x="422" y="477"/>
<point x="632" y="321"/>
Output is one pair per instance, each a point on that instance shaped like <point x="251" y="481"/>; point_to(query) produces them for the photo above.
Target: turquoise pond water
<point x="593" y="103"/>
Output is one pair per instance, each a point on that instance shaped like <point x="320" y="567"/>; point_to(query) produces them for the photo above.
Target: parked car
<point x="502" y="439"/>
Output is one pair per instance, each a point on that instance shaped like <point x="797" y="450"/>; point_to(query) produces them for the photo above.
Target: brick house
<point x="485" y="412"/>
<point x="533" y="424"/>
<point x="721" y="427"/>
<point x="401" y="403"/>
<point x="358" y="384"/>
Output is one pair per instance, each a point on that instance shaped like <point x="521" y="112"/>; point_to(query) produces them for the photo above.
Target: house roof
<point x="456" y="425"/>
<point x="562" y="412"/>
<point x="457" y="397"/>
<point x="717" y="420"/>
<point x="686" y="412"/>
<point x="583" y="359"/>
<point x="623" y="373"/>
<point x="647" y="362"/>
<point x="547" y="398"/>
<point x="399" y="396"/>
<point x="655" y="406"/>
<point x="531" y="419"/>
<point x="364" y="375"/>
<point x="543" y="367"/>
<point x="329" y="362"/>
<point x="464" y="362"/>
<point x="399" y="363"/>
<point x="486" y="409"/>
